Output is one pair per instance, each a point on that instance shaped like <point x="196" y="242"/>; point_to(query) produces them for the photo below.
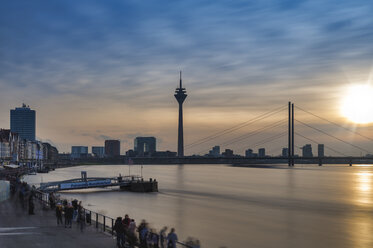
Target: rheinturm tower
<point x="180" y="95"/>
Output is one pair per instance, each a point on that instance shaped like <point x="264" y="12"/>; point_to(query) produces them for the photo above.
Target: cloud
<point x="119" y="60"/>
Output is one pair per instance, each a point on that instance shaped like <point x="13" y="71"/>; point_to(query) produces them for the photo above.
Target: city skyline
<point x="96" y="71"/>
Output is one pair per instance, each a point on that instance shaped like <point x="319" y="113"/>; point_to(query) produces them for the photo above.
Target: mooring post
<point x="104" y="222"/>
<point x="112" y="227"/>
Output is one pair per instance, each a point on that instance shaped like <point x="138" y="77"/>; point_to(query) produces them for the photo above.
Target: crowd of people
<point x="127" y="233"/>
<point x="26" y="195"/>
<point x="71" y="211"/>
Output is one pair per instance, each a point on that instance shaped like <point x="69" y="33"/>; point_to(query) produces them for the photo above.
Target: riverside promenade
<point x="19" y="229"/>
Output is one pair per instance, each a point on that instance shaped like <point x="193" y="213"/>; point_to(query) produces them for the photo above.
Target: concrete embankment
<point x="19" y="229"/>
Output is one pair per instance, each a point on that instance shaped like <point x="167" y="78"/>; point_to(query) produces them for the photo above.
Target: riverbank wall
<point x="4" y="190"/>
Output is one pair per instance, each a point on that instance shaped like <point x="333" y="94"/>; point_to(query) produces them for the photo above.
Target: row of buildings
<point x="18" y="144"/>
<point x="17" y="150"/>
<point x="143" y="147"/>
<point x="249" y="153"/>
<point x="111" y="149"/>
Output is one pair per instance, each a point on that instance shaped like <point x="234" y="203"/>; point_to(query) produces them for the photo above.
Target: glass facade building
<point x="22" y="121"/>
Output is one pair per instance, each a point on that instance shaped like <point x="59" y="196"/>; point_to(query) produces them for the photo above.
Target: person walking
<point x="155" y="240"/>
<point x="172" y="239"/>
<point x="81" y="217"/>
<point x="52" y="200"/>
<point x="162" y="236"/>
<point x="143" y="233"/>
<point x="69" y="211"/>
<point x="59" y="213"/>
<point x="131" y="236"/>
<point x="126" y="221"/>
<point x="119" y="230"/>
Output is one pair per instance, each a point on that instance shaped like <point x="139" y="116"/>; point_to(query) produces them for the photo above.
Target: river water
<point x="224" y="206"/>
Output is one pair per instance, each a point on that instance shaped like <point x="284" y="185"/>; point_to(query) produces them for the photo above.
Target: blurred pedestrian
<point x="131" y="236"/>
<point x="172" y="239"/>
<point x="59" y="213"/>
<point x="155" y="239"/>
<point x="81" y="217"/>
<point x="126" y="221"/>
<point x="69" y="211"/>
<point x="52" y="200"/>
<point x="162" y="236"/>
<point x="119" y="230"/>
<point x="143" y="232"/>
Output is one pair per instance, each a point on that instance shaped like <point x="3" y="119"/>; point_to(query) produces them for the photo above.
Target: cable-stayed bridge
<point x="284" y="132"/>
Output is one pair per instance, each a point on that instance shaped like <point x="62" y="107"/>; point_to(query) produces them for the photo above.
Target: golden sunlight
<point x="357" y="104"/>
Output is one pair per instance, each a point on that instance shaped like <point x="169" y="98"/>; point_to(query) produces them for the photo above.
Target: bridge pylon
<point x="291" y="135"/>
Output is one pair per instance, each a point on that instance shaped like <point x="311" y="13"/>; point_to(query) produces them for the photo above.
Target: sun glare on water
<point x="357" y="104"/>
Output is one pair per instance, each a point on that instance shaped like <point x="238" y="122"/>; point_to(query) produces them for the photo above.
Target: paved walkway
<point x="18" y="229"/>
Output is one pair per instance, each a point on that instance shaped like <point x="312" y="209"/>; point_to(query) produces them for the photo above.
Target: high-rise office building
<point x="320" y="150"/>
<point x="145" y="145"/>
<point x="112" y="148"/>
<point x="79" y="151"/>
<point x="249" y="153"/>
<point x="22" y="121"/>
<point x="98" y="151"/>
<point x="261" y="152"/>
<point x="228" y="153"/>
<point x="307" y="151"/>
<point x="215" y="152"/>
<point x="285" y="152"/>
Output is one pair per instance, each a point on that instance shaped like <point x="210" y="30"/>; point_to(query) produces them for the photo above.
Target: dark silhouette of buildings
<point x="320" y="150"/>
<point x="145" y="146"/>
<point x="285" y="152"/>
<point x="307" y="151"/>
<point x="215" y="151"/>
<point x="249" y="153"/>
<point x="180" y="95"/>
<point x="50" y="153"/>
<point x="98" y="151"/>
<point x="261" y="152"/>
<point x="228" y="153"/>
<point x="22" y="121"/>
<point x="112" y="148"/>
<point x="78" y="152"/>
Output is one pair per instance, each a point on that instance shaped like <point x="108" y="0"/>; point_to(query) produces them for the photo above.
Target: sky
<point x="96" y="70"/>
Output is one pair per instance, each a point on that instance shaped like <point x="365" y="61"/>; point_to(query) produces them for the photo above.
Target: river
<point x="224" y="206"/>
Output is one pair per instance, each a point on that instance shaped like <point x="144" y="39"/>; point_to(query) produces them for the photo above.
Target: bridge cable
<point x="269" y="139"/>
<point x="336" y="124"/>
<point x="234" y="128"/>
<point x="319" y="143"/>
<point x="264" y="141"/>
<point x="348" y="143"/>
<point x="253" y="133"/>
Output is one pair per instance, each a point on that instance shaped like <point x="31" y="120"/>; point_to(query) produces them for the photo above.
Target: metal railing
<point x="101" y="222"/>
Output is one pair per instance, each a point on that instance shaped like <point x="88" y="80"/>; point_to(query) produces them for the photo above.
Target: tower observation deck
<point x="180" y="95"/>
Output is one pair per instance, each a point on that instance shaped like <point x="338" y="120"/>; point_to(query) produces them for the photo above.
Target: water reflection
<point x="363" y="187"/>
<point x="245" y="207"/>
<point x="360" y="222"/>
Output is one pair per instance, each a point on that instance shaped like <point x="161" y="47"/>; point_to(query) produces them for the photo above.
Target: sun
<point x="357" y="104"/>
